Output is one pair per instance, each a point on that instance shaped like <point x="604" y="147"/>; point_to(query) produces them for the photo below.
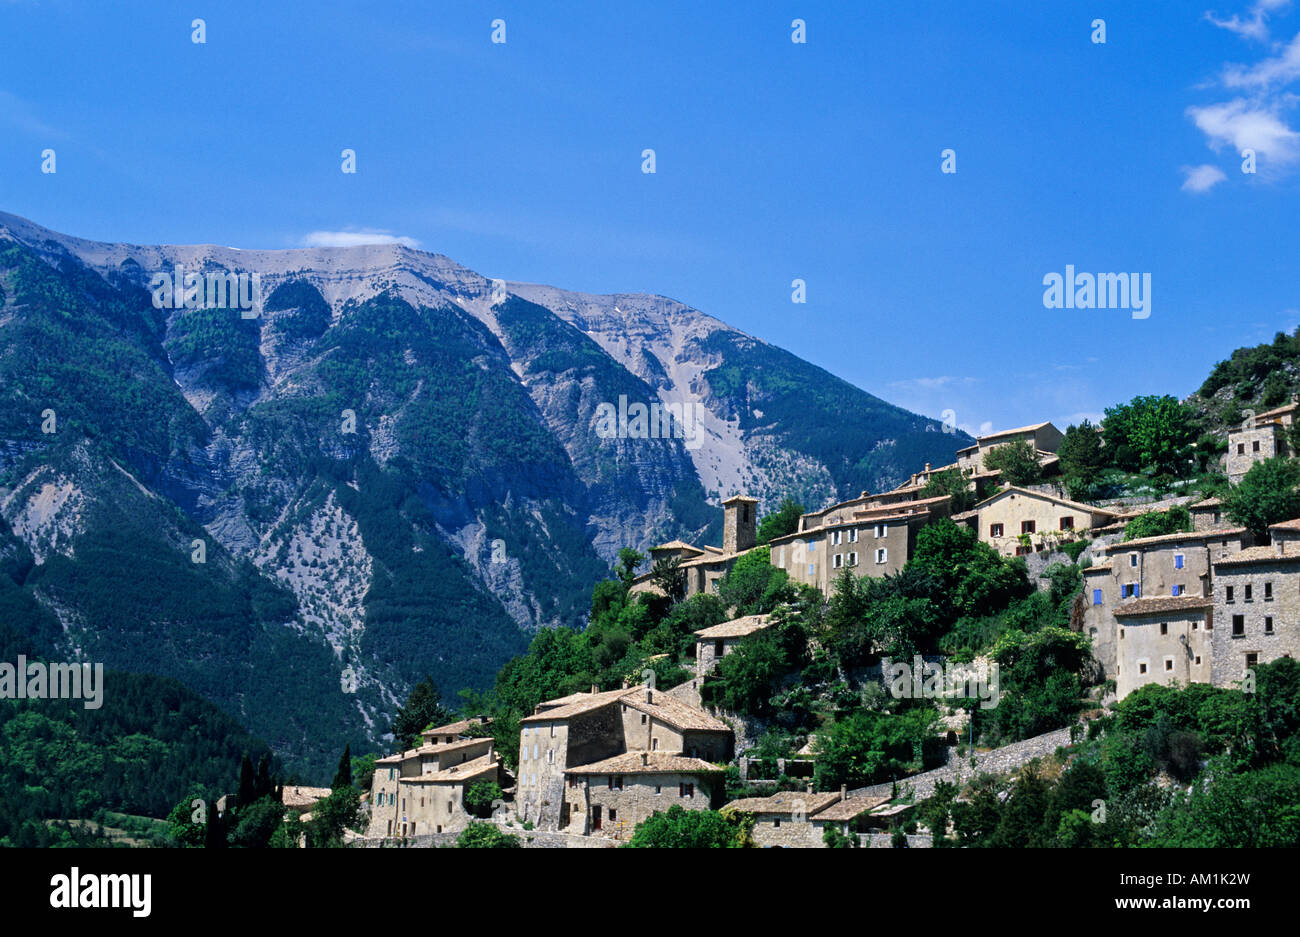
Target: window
<point x="811" y="571"/>
<point x="882" y="556"/>
<point x="717" y="647"/>
<point x="1121" y="634"/>
<point x="654" y="747"/>
<point x="1241" y="448"/>
<point x="1096" y="596"/>
<point x="1238" y="625"/>
<point x="995" y="530"/>
<point x="1254" y="446"/>
<point x="1252" y="660"/>
<point x="1132" y="559"/>
<point x="685" y="790"/>
<point x="613" y="814"/>
<point x="1026" y="527"/>
<point x="838" y="561"/>
<point x="853" y="559"/>
<point x="1198" y="660"/>
<point x="550" y="756"/>
<point x="1130" y="590"/>
<point x="1268" y="592"/>
<point x="882" y="530"/>
<point x="776" y="822"/>
<point x="835" y="538"/>
<point x="1164" y="627"/>
<point x="1142" y="667"/>
<point x="1178" y="561"/>
<point x="1067" y="522"/>
<point x="659" y="789"/>
<point x="1268" y="625"/>
<point x="1177" y="589"/>
<point x="1248" y="596"/>
<point x="853" y="535"/>
<point x="1169" y="663"/>
<point x="1227" y="593"/>
<point x="1195" y="625"/>
<point x="552" y="730"/>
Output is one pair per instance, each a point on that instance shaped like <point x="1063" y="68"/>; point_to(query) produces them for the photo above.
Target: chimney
<point x="594" y="688"/>
<point x="927" y="466"/>
<point x="644" y="759"/>
<point x="844" y="792"/>
<point x="810" y="790"/>
<point x="739" y="524"/>
<point x="625" y="683"/>
<point x="649" y="694"/>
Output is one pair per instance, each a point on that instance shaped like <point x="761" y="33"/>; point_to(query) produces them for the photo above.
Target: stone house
<point x="1164" y="640"/>
<point x="586" y="729"/>
<point x="1134" y="574"/>
<point x="714" y="643"/>
<point x="422" y="790"/>
<point x="1207" y="514"/>
<point x="1259" y="438"/>
<point x="865" y="538"/>
<point x="610" y="797"/>
<point x="1257" y="606"/>
<point x="705" y="567"/>
<point x="1016" y="521"/>
<point x="798" y="819"/>
<point x="1044" y="437"/>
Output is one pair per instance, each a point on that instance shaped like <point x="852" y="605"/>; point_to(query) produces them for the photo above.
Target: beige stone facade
<point x="422" y="790"/>
<point x="798" y="819"/>
<point x="612" y="796"/>
<point x="1044" y="437"/>
<point x="1260" y="437"/>
<point x="1257" y="608"/>
<point x="714" y="643"/>
<point x="1163" y="640"/>
<point x="568" y="741"/>
<point x="1018" y="520"/>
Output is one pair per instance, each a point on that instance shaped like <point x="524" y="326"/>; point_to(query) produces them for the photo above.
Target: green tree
<point x="483" y="835"/>
<point x="343" y="776"/>
<point x="1155" y="432"/>
<point x="330" y="817"/>
<point x="677" y="828"/>
<point x="669" y="576"/>
<point x="953" y="484"/>
<point x="869" y="747"/>
<point x="1017" y="461"/>
<point x="480" y="796"/>
<point x="1158" y="523"/>
<point x="784" y="520"/>
<point x="754" y="586"/>
<point x="187" y="822"/>
<point x="1268" y="494"/>
<point x="1081" y="459"/>
<point x="628" y="561"/>
<point x="423" y="709"/>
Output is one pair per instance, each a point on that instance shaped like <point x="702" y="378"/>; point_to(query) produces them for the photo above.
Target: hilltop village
<point x="1205" y="605"/>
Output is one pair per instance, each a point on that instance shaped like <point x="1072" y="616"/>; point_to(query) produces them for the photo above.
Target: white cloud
<point x="1202" y="178"/>
<point x="1243" y="124"/>
<point x="355" y="238"/>
<point x="1255" y="24"/>
<point x="1281" y="69"/>
<point x="932" y="383"/>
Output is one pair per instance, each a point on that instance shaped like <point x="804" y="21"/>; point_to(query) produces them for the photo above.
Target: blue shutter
<point x="1096" y="596"/>
<point x="1137" y="590"/>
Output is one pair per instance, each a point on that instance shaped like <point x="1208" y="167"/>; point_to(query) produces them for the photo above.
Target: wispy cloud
<point x="1202" y="178"/>
<point x="1248" y="125"/>
<point x="356" y="238"/>
<point x="1253" y="25"/>
<point x="933" y="383"/>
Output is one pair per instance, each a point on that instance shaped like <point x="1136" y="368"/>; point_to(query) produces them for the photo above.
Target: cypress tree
<point x="343" y="776"/>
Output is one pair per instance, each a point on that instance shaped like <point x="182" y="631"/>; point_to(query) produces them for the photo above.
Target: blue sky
<point x="775" y="161"/>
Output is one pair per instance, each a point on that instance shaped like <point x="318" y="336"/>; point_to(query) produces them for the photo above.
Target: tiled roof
<point x="1293" y="524"/>
<point x="1207" y="503"/>
<point x="433" y="750"/>
<point x="661" y="706"/>
<point x="671" y="711"/>
<point x="1100" y="567"/>
<point x="295" y="796"/>
<point x="676" y="545"/>
<point x="1181" y="603"/>
<point x="1013" y="432"/>
<point x="783" y="802"/>
<point x="454" y="728"/>
<point x="1217" y="534"/>
<point x="849" y="808"/>
<point x="647" y="763"/>
<point x="459" y="773"/>
<point x="575" y="705"/>
<point x="736" y="628"/>
<point x="1267" y="554"/>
